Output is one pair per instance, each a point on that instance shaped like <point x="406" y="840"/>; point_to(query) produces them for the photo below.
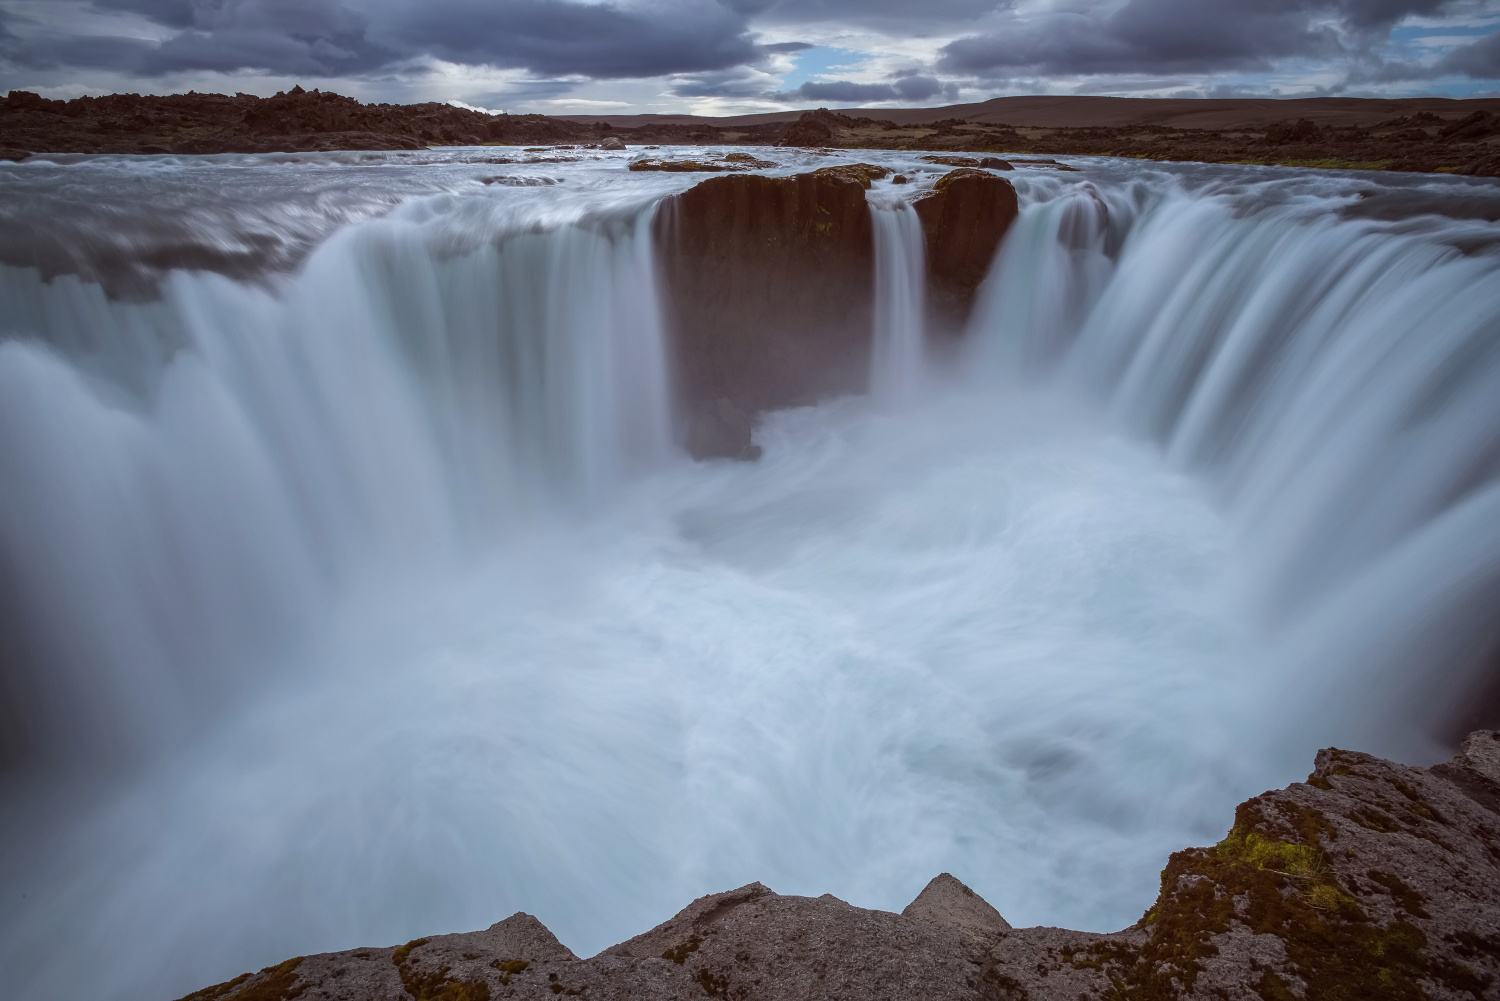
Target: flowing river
<point x="354" y="587"/>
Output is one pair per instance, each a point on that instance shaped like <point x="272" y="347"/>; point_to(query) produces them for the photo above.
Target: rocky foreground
<point x="1371" y="880"/>
<point x="1465" y="140"/>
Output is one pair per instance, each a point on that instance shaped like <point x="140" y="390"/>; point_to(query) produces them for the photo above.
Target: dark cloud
<point x="551" y="38"/>
<point x="1179" y="36"/>
<point x="878" y="12"/>
<point x="171" y="13"/>
<point x="726" y="83"/>
<point x="1479" y="59"/>
<point x="709" y="48"/>
<point x="603" y="41"/>
<point x="906" y="87"/>
<point x="841" y="92"/>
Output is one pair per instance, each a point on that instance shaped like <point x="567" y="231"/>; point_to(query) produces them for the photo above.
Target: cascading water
<point x="897" y="364"/>
<point x="359" y="593"/>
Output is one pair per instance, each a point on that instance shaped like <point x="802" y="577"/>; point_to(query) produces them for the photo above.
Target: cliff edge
<point x="1369" y="880"/>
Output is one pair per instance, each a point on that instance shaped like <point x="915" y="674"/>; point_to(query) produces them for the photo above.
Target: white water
<point x="373" y="600"/>
<point x="898" y="364"/>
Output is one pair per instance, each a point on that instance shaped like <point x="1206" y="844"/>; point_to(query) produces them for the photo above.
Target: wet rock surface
<point x="963" y="219"/>
<point x="1369" y="880"/>
<point x="768" y="285"/>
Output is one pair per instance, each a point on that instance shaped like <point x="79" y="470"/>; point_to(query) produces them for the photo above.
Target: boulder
<point x="612" y="143"/>
<point x="963" y="219"/>
<point x="768" y="289"/>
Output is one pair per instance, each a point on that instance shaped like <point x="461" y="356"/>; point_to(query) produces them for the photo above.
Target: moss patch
<point x="1281" y="887"/>
<point x="217" y="990"/>
<point x="435" y="985"/>
<point x="679" y="953"/>
<point x="280" y="984"/>
<point x="508" y="968"/>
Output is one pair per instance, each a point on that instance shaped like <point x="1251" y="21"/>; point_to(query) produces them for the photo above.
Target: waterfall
<point x="359" y="593"/>
<point x="897" y="365"/>
<point x="186" y="484"/>
<point x="1338" y="380"/>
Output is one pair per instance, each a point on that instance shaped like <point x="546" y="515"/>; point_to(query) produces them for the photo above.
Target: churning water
<point x="352" y="586"/>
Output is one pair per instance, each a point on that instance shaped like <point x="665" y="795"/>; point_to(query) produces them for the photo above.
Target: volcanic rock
<point x="1281" y="133"/>
<point x="814" y="128"/>
<point x="1370" y="880"/>
<point x="963" y="219"/>
<point x="768" y="286"/>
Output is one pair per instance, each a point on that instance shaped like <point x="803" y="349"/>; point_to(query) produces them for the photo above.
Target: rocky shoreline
<point x="1369" y="880"/>
<point x="1467" y="141"/>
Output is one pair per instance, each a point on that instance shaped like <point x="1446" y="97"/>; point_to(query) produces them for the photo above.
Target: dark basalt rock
<point x="768" y="285"/>
<point x="1370" y="880"/>
<point x="814" y="128"/>
<point x="963" y="219"/>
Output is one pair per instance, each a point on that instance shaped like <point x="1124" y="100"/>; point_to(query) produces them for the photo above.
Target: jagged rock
<point x="768" y="287"/>
<point x="814" y="128"/>
<point x="963" y="219"/>
<point x="947" y="902"/>
<point x="1477" y="125"/>
<point x="1370" y="880"/>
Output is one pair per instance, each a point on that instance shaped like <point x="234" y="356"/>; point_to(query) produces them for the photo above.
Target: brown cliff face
<point x="1371" y="880"/>
<point x="768" y="285"/>
<point x="963" y="219"/>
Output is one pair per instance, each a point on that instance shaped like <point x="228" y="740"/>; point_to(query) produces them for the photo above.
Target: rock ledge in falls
<point x="768" y="286"/>
<point x="1369" y="880"/>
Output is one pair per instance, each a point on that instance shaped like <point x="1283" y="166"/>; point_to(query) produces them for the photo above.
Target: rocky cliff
<point x="769" y="286"/>
<point x="1371" y="880"/>
<point x="963" y="219"/>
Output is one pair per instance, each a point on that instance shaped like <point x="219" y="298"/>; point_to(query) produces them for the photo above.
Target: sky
<point x="721" y="57"/>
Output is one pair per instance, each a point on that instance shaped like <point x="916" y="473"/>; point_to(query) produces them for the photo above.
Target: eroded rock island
<point x="1371" y="880"/>
<point x="769" y="286"/>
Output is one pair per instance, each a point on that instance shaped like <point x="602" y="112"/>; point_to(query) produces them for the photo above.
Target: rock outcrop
<point x="963" y="219"/>
<point x="1371" y="880"/>
<point x="769" y="287"/>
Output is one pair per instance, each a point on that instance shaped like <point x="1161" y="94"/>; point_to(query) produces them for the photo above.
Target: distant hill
<point x="1113" y="112"/>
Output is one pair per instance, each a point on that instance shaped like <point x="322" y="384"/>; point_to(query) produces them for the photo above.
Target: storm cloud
<point x="885" y="51"/>
<point x="910" y="88"/>
<point x="1179" y="36"/>
<point x="330" y="38"/>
